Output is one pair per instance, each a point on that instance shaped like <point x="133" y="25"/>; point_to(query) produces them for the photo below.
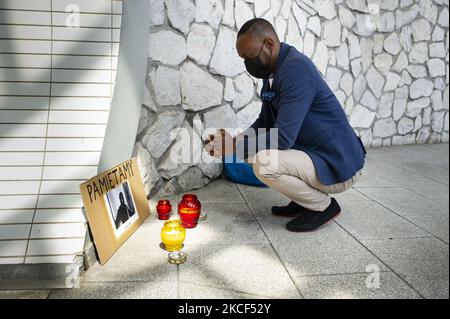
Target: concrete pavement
<point x="390" y="241"/>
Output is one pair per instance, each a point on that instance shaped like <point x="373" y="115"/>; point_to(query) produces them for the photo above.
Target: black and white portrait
<point x="120" y="204"/>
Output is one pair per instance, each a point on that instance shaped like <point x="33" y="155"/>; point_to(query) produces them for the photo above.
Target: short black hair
<point x="259" y="27"/>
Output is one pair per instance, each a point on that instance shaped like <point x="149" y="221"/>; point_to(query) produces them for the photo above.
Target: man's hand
<point x="220" y="144"/>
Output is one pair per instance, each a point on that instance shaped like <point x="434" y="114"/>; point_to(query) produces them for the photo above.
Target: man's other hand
<point x="220" y="143"/>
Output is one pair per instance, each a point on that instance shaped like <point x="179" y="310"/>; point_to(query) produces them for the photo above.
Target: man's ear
<point x="270" y="43"/>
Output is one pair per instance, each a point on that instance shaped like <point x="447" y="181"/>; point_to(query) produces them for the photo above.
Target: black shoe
<point x="310" y="220"/>
<point x="289" y="210"/>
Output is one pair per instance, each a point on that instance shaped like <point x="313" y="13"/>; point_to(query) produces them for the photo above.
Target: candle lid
<point x="190" y="195"/>
<point x="164" y="202"/>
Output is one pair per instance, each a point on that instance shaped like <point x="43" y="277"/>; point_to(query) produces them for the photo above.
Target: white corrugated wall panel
<point x="56" y="85"/>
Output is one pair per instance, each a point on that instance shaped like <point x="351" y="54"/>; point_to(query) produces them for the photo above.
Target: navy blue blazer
<point x="309" y="118"/>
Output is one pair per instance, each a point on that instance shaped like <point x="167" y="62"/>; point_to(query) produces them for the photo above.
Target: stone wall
<point x="386" y="61"/>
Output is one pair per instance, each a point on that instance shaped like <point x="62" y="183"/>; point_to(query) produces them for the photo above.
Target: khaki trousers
<point x="292" y="173"/>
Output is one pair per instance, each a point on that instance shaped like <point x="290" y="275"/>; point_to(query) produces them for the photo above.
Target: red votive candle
<point x="163" y="208"/>
<point x="189" y="210"/>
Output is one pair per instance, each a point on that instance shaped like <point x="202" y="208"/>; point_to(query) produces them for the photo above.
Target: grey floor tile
<point x="139" y="259"/>
<point x="148" y="234"/>
<point x="422" y="262"/>
<point x="382" y="168"/>
<point x="249" y="188"/>
<point x="201" y="291"/>
<point x="423" y="156"/>
<point x="422" y="160"/>
<point x="369" y="220"/>
<point x="251" y="269"/>
<point x="390" y="166"/>
<point x="254" y="193"/>
<point x="329" y="250"/>
<point x="412" y="158"/>
<point x="442" y="146"/>
<point x="404" y="202"/>
<point x="438" y="174"/>
<point x="226" y="224"/>
<point x="370" y="180"/>
<point x="349" y="195"/>
<point x="219" y="191"/>
<point x="433" y="223"/>
<point x="24" y="294"/>
<point x="261" y="200"/>
<point x="353" y="286"/>
<point x="419" y="162"/>
<point x="432" y="170"/>
<point x="424" y="186"/>
<point x="119" y="290"/>
<point x="133" y="266"/>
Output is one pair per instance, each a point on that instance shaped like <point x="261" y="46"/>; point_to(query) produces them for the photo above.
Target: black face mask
<point x="256" y="68"/>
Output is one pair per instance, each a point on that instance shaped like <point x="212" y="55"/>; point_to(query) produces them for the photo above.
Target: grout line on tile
<point x="178" y="282"/>
<point x="340" y="274"/>
<point x="131" y="281"/>
<point x="225" y="289"/>
<point x="379" y="259"/>
<point x="229" y="244"/>
<point x="392" y="238"/>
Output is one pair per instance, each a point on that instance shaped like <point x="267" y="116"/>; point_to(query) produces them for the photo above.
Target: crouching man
<point x="315" y="151"/>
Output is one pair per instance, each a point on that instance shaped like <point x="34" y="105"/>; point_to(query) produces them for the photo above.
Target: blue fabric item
<point x="237" y="171"/>
<point x="309" y="118"/>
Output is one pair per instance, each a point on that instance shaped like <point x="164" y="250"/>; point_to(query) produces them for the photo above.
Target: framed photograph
<point x="121" y="207"/>
<point x="116" y="205"/>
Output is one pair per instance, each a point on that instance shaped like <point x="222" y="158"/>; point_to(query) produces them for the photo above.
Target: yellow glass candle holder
<point x="173" y="235"/>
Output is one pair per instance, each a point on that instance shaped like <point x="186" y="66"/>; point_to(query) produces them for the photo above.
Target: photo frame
<point x="116" y="205"/>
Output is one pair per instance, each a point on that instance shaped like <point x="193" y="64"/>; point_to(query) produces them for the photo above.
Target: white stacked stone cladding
<point x="387" y="62"/>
